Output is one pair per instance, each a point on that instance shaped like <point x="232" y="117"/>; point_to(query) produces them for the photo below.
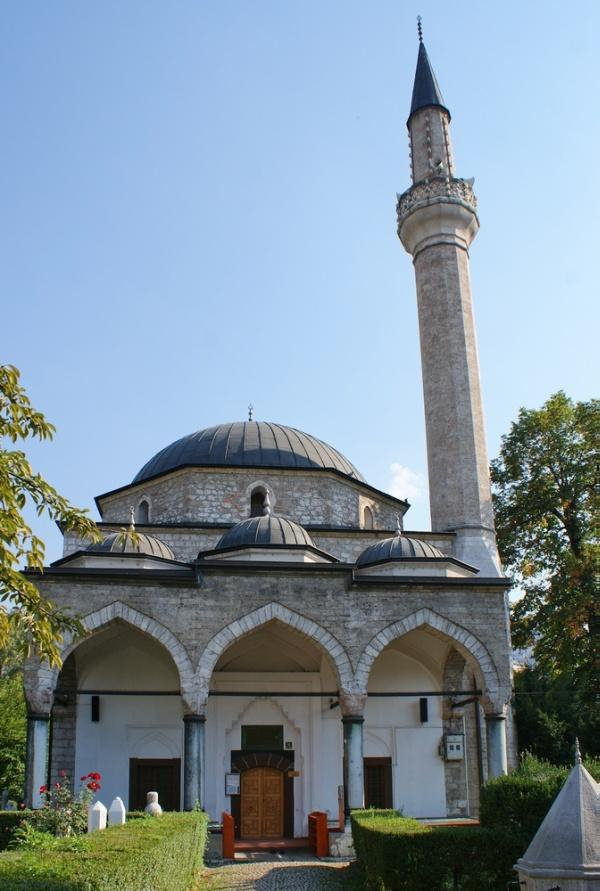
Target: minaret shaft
<point x="457" y="455"/>
<point x="437" y="222"/>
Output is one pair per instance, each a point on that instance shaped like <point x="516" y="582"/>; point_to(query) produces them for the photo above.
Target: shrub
<point x="162" y="853"/>
<point x="9" y="822"/>
<point x="401" y="854"/>
<point x="63" y="812"/>
<point x="520" y="801"/>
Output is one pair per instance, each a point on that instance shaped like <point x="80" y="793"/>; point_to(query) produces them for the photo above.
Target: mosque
<point x="264" y="637"/>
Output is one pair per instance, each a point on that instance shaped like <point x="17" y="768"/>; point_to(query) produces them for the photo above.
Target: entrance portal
<point x="262" y="803"/>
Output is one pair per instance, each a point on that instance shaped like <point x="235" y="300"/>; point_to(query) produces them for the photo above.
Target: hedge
<point x="163" y="853"/>
<point x="520" y="801"/>
<point x="400" y="854"/>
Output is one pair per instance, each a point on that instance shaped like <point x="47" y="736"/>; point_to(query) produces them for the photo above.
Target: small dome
<point x="248" y="444"/>
<point x="399" y="547"/>
<point x="122" y="543"/>
<point x="265" y="531"/>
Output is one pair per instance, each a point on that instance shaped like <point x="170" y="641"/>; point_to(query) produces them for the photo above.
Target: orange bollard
<point x="318" y="833"/>
<point x="228" y="836"/>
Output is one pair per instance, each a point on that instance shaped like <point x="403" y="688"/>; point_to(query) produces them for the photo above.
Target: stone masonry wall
<point x="195" y="495"/>
<point x="353" y="614"/>
<point x="64" y="713"/>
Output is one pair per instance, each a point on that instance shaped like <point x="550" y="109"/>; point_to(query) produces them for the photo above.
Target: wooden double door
<point x="261" y="803"/>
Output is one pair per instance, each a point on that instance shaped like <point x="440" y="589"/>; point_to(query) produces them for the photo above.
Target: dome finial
<point x="250" y="410"/>
<point x="420" y="28"/>
<point x="398" y="525"/>
<point x="577" y="752"/>
<point x="131" y="519"/>
<point x="267" y="505"/>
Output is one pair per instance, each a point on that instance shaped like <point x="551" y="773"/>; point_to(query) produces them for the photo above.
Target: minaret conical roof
<point x="426" y="90"/>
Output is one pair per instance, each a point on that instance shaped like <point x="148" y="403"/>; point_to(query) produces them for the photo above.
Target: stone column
<point x="496" y="745"/>
<point x="352" y="707"/>
<point x="36" y="769"/>
<point x="353" y="763"/>
<point x="193" y="760"/>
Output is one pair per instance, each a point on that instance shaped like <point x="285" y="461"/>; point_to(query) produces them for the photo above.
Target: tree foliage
<point x="24" y="612"/>
<point x="546" y="501"/>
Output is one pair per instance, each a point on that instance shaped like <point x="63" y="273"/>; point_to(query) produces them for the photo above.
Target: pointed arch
<point x="465" y="642"/>
<point x="40" y="680"/>
<point x="101" y="618"/>
<point x="258" y="617"/>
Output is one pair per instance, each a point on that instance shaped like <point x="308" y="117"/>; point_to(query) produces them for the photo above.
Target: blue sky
<point x="200" y="213"/>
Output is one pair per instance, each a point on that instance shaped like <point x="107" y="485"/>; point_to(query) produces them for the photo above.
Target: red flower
<point x="62" y="773"/>
<point x="83" y="779"/>
<point x="94" y="776"/>
<point x="43" y="789"/>
<point x="57" y="785"/>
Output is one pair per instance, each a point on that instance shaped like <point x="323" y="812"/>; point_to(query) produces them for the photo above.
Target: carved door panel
<point x="262" y="803"/>
<point x="272" y="799"/>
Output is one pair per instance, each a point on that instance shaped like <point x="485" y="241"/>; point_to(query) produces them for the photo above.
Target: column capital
<point x="194" y="701"/>
<point x="352" y="703"/>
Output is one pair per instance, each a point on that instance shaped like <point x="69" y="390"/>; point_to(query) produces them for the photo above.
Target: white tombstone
<point x="153" y="807"/>
<point x="116" y="812"/>
<point x="96" y="817"/>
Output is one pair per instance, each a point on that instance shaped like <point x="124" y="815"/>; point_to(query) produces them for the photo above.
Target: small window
<point x="367" y="518"/>
<point x="257" y="502"/>
<point x="262" y="737"/>
<point x="143" y="512"/>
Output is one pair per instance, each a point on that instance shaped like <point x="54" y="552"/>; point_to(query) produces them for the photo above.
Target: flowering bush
<point x="64" y="812"/>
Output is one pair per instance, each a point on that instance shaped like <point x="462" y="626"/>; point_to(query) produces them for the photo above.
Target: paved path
<point x="306" y="874"/>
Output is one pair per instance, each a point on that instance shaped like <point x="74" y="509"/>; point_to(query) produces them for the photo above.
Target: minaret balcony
<point x="438" y="188"/>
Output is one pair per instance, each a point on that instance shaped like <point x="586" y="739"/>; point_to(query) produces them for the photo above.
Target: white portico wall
<point x="393" y="728"/>
<point x="121" y="659"/>
<point x="289" y="663"/>
<point x="315" y="738"/>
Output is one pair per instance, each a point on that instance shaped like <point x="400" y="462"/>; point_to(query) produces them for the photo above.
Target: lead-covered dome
<point x="124" y="543"/>
<point x="399" y="547"/>
<point x="248" y="444"/>
<point x="266" y="531"/>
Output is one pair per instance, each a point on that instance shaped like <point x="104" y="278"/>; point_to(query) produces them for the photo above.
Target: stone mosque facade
<point x="263" y="636"/>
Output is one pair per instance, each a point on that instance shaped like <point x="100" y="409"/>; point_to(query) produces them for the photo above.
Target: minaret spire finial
<point x="250" y="410"/>
<point x="131" y="519"/>
<point x="577" y="752"/>
<point x="420" y="28"/>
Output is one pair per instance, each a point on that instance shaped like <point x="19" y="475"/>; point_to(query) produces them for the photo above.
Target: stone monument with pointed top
<point x="565" y="851"/>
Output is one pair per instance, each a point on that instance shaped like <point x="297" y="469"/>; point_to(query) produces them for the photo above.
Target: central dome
<point x="248" y="444"/>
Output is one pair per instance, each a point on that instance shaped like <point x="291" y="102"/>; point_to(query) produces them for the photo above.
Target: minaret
<point x="437" y="221"/>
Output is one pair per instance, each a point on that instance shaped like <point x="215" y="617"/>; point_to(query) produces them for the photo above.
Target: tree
<point x="546" y="501"/>
<point x="13" y="717"/>
<point x="24" y="613"/>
